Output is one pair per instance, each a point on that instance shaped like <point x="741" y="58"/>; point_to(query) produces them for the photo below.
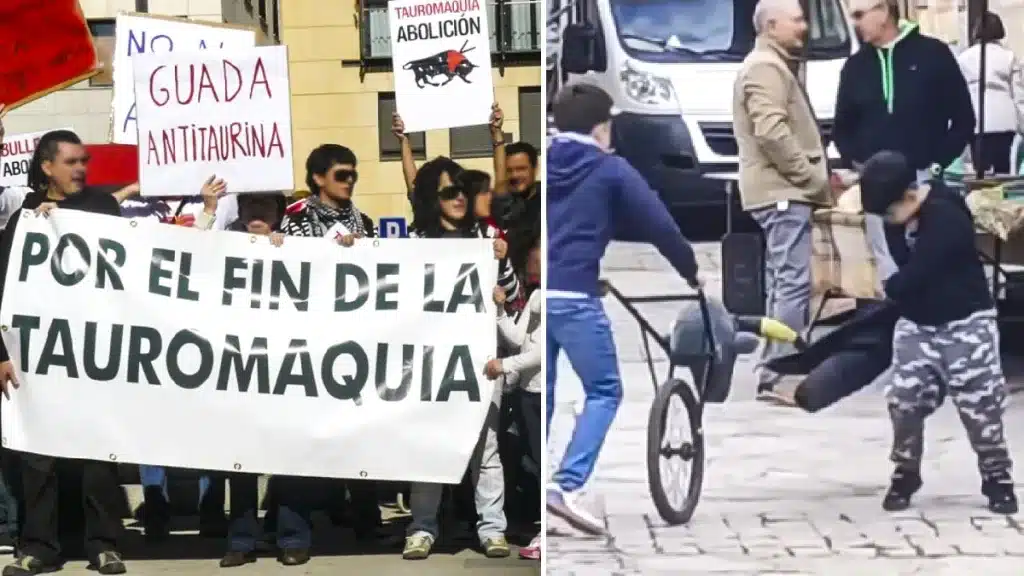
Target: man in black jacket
<point x="901" y="91"/>
<point x="57" y="178"/>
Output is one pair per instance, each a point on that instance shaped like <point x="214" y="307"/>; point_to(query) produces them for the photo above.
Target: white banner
<point x="15" y="154"/>
<point x="441" y="55"/>
<point x="142" y="343"/>
<point x="224" y="113"/>
<point x="135" y="34"/>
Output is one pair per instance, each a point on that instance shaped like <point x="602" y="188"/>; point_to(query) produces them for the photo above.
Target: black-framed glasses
<point x="343" y="175"/>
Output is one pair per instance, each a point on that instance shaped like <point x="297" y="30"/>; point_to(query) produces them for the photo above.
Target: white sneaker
<point x="566" y="505"/>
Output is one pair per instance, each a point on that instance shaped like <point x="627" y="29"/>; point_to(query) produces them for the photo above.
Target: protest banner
<point x="148" y="34"/>
<point x="165" y="345"/>
<point x="222" y="112"/>
<point x="15" y="154"/>
<point x="45" y="46"/>
<point x="441" y="55"/>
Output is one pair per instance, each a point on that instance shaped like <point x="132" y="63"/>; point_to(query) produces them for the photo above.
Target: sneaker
<point x="109" y="563"/>
<point x="904" y="484"/>
<point x="496" y="547"/>
<point x="531" y="552"/>
<point x="1001" y="498"/>
<point x="28" y="566"/>
<point x="565" y="505"/>
<point x="417" y="546"/>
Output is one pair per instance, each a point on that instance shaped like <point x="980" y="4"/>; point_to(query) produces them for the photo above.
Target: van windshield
<point x="716" y="30"/>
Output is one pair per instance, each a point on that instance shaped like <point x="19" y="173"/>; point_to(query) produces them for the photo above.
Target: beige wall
<point x="87" y="109"/>
<point x="331" y="105"/>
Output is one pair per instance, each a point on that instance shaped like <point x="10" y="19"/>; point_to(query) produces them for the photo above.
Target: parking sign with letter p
<point x="393" y="228"/>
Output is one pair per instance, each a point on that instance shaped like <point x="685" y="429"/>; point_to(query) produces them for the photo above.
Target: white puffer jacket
<point x="1004" y="86"/>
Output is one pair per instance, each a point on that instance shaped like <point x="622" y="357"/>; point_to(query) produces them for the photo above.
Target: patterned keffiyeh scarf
<point x="324" y="216"/>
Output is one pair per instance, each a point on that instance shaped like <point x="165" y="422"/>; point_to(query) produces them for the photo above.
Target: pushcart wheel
<point x="668" y="449"/>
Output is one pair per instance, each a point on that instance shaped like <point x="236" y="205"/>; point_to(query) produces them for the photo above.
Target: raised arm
<point x="498" y="141"/>
<point x="408" y="162"/>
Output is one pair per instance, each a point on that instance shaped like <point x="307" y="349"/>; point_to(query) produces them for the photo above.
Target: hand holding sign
<point x="398" y="127"/>
<point x="8" y="379"/>
<point x="500" y="249"/>
<point x="493" y="369"/>
<point x="497" y="121"/>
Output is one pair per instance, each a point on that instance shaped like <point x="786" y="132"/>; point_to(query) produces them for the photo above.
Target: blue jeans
<point x="157" y="476"/>
<point x="580" y="328"/>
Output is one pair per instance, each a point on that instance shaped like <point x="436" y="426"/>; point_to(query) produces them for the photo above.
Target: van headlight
<point x="646" y="88"/>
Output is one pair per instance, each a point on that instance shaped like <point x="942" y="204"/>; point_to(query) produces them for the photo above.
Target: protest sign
<point x="139" y="34"/>
<point x="45" y="46"/>
<point x="172" y="346"/>
<point x="441" y="55"/>
<point x="221" y="112"/>
<point x="15" y="155"/>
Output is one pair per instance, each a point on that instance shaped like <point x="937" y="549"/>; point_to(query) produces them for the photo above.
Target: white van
<point x="670" y="65"/>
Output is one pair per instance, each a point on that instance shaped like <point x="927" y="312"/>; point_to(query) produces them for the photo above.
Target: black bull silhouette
<point x="450" y="64"/>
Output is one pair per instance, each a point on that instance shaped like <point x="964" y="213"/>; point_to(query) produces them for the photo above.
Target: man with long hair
<point x="57" y="176"/>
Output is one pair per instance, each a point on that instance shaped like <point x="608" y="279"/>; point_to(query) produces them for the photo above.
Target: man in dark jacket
<point x="57" y="177"/>
<point x="593" y="197"/>
<point x="901" y="91"/>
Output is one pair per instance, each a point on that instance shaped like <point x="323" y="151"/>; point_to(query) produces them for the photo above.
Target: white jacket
<point x="522" y="336"/>
<point x="1004" y="86"/>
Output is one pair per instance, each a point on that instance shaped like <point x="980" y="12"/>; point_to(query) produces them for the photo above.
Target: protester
<point x="593" y="197"/>
<point x="947" y="338"/>
<point x="520" y="210"/>
<point x="783" y="168"/>
<point x="57" y="175"/>
<point x="1004" y="94"/>
<point x="446" y="214"/>
<point x="521" y="335"/>
<point x="901" y="91"/>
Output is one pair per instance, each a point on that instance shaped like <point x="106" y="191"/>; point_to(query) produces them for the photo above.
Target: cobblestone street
<point x="784" y="492"/>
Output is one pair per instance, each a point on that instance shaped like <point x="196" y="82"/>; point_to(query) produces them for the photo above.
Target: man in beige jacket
<point x="783" y="172"/>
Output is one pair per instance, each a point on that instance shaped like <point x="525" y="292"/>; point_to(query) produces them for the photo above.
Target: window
<point x="390" y="149"/>
<point x="375" y="29"/>
<point x="530" y="110"/>
<point x="103" y="37"/>
<point x="261" y="14"/>
<point x="473" y="141"/>
<point x="275" y="20"/>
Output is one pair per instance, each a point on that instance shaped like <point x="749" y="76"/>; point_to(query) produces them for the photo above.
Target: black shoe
<point x="156" y="517"/>
<point x="28" y="566"/>
<point x="904" y="484"/>
<point x="294" y="556"/>
<point x="233" y="559"/>
<point x="1001" y="498"/>
<point x="109" y="562"/>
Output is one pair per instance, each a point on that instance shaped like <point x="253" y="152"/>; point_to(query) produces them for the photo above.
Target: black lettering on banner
<point x="341" y="272"/>
<point x="387" y="285"/>
<point x="179" y="376"/>
<point x="231" y="280"/>
<point x="353" y="385"/>
<point x="109" y="371"/>
<point x="429" y="304"/>
<point x="451" y="28"/>
<point x="394" y="394"/>
<point x="184" y="276"/>
<point x="297" y="350"/>
<point x="25" y="325"/>
<point x="427" y="384"/>
<point x="58" y="333"/>
<point x="34" y="252"/>
<point x="281" y="279"/>
<point x="141" y="359"/>
<point x="257" y="284"/>
<point x="75" y="275"/>
<point x="157" y="272"/>
<point x="467" y="273"/>
<point x="460" y="358"/>
<point x="257" y="362"/>
<point x="110" y="251"/>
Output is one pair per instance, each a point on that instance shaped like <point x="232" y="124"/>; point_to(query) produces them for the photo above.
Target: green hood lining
<point x="885" y="60"/>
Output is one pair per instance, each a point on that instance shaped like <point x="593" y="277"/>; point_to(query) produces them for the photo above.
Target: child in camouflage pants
<point x="946" y="340"/>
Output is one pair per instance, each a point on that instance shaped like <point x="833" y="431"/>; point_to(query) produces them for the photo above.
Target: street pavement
<point x="784" y="492"/>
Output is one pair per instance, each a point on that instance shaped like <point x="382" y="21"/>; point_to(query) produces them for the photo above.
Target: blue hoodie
<point x="593" y="198"/>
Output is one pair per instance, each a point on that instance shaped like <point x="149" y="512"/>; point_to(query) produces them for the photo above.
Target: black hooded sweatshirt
<point x="88" y="200"/>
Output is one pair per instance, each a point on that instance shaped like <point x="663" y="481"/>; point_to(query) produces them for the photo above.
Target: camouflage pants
<point x="960" y="358"/>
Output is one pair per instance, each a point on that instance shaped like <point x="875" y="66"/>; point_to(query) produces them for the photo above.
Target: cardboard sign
<point x="441" y="54"/>
<point x="137" y="34"/>
<point x="45" y="46"/>
<point x="15" y="155"/>
<point x="221" y="112"/>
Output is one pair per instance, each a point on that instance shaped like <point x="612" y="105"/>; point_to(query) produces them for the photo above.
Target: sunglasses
<point x="450" y="193"/>
<point x="345" y="175"/>
<point x="858" y="14"/>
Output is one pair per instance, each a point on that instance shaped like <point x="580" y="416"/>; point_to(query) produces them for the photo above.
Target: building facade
<point x="342" y="91"/>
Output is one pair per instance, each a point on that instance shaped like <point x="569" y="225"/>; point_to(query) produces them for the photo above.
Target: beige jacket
<point x="781" y="156"/>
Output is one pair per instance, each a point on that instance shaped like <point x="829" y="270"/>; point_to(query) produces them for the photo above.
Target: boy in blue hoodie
<point x="593" y="197"/>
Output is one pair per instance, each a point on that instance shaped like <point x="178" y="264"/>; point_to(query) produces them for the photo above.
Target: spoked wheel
<point x="675" y="451"/>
